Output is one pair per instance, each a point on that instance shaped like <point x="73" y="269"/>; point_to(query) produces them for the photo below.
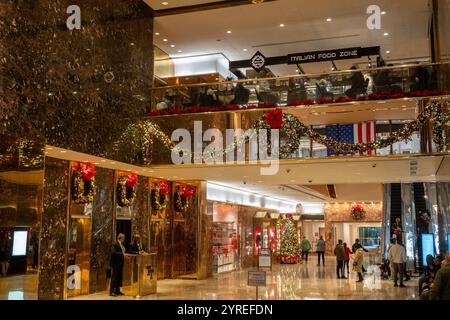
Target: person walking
<point x="397" y="256"/>
<point x="355" y="247"/>
<point x="117" y="262"/>
<point x="339" y="252"/>
<point x="358" y="264"/>
<point x="347" y="253"/>
<point x="441" y="286"/>
<point x="320" y="249"/>
<point x="306" y="246"/>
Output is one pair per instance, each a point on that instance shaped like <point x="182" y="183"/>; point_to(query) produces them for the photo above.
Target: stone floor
<point x="298" y="282"/>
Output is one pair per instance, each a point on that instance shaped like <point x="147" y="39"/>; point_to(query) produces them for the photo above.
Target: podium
<point x="139" y="275"/>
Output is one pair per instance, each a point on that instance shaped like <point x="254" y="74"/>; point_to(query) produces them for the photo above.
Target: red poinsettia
<point x="87" y="172"/>
<point x="188" y="192"/>
<point x="76" y="166"/>
<point x="357" y="208"/>
<point x="358" y="211"/>
<point x="131" y="180"/>
<point x="163" y="188"/>
<point x="274" y="118"/>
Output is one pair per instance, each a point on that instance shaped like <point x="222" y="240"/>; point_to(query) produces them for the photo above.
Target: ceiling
<point x="158" y="4"/>
<point x="257" y="27"/>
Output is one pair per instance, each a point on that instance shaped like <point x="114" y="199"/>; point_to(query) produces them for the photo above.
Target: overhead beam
<point x="204" y="6"/>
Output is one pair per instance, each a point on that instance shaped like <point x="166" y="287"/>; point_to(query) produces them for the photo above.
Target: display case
<point x="224" y="246"/>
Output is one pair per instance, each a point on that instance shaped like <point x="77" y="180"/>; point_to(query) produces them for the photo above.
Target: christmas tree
<point x="289" y="248"/>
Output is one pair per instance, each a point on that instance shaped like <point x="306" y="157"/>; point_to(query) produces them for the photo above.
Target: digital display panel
<point x="427" y="246"/>
<point x="20" y="243"/>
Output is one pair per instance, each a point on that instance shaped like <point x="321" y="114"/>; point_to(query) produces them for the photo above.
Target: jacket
<point x="320" y="246"/>
<point x="347" y="253"/>
<point x="306" y="245"/>
<point x="135" y="248"/>
<point x="117" y="256"/>
<point x="358" y="260"/>
<point x="339" y="252"/>
<point x="397" y="254"/>
<point x="441" y="287"/>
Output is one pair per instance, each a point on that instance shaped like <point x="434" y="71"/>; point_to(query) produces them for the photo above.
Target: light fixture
<point x="229" y="31"/>
<point x="388" y="52"/>
<point x="386" y="34"/>
<point x="172" y="46"/>
<point x="180" y="51"/>
<point x="63" y="151"/>
<point x="383" y="12"/>
<point x="245" y="50"/>
<point x="156" y="33"/>
<point x="165" y="40"/>
<point x="329" y="19"/>
<point x="165" y="3"/>
<point x="282" y="25"/>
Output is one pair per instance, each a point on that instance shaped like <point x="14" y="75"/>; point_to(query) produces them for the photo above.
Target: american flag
<point x="352" y="133"/>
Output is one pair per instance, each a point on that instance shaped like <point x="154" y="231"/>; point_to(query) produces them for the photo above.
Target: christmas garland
<point x="159" y="196"/>
<point x="182" y="196"/>
<point x="83" y="186"/>
<point x="358" y="212"/>
<point x="125" y="190"/>
<point x="292" y="130"/>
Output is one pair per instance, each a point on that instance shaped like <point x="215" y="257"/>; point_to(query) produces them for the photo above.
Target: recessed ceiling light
<point x="282" y="25"/>
<point x="172" y="46"/>
<point x="165" y="3"/>
<point x="229" y="31"/>
<point x="385" y="34"/>
<point x="48" y="148"/>
<point x="329" y="19"/>
<point x="388" y="52"/>
<point x="245" y="50"/>
<point x="383" y="12"/>
<point x="63" y="151"/>
<point x="156" y="33"/>
<point x="180" y="51"/>
<point x="165" y="40"/>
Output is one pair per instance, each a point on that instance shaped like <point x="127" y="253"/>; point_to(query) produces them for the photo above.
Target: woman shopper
<point x="347" y="253"/>
<point x="358" y="263"/>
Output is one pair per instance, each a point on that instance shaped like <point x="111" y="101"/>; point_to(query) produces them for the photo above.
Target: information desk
<point x="139" y="274"/>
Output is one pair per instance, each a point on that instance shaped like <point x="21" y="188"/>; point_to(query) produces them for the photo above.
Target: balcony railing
<point x="338" y="86"/>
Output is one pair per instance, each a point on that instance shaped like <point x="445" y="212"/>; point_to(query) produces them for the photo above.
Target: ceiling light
<point x="383" y="12"/>
<point x="282" y="25"/>
<point x="165" y="3"/>
<point x="388" y="52"/>
<point x="156" y="33"/>
<point x="245" y="50"/>
<point x="180" y="51"/>
<point x="329" y="19"/>
<point x="165" y="40"/>
<point x="385" y="34"/>
<point x="63" y="151"/>
<point x="172" y="46"/>
<point x="229" y="31"/>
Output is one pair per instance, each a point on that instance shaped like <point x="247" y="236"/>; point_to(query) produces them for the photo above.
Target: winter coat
<point x="358" y="260"/>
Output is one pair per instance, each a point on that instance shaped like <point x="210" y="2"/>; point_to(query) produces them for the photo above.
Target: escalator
<point x="420" y="206"/>
<point x="396" y="203"/>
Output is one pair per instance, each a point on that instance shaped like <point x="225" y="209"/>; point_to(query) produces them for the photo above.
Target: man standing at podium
<point x="136" y="247"/>
<point x="117" y="262"/>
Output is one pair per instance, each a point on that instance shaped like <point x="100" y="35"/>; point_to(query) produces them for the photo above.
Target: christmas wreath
<point x="159" y="196"/>
<point x="182" y="196"/>
<point x="125" y="190"/>
<point x="83" y="186"/>
<point x="358" y="212"/>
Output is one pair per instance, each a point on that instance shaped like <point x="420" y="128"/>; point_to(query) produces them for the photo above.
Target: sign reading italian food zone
<point x="327" y="55"/>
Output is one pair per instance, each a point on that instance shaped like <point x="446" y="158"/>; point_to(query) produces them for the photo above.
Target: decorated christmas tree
<point x="289" y="248"/>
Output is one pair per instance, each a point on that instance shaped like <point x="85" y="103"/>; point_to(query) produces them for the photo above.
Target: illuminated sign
<point x="427" y="246"/>
<point x="20" y="243"/>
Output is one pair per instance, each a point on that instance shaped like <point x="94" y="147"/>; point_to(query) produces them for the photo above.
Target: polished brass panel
<point x="139" y="277"/>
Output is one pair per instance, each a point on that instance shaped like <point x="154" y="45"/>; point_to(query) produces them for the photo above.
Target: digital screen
<point x="15" y="295"/>
<point x="20" y="243"/>
<point x="427" y="246"/>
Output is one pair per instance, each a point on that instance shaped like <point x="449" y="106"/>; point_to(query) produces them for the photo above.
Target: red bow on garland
<point x="131" y="180"/>
<point x="274" y="118"/>
<point x="288" y="216"/>
<point x="188" y="192"/>
<point x="87" y="170"/>
<point x="163" y="188"/>
<point x="357" y="208"/>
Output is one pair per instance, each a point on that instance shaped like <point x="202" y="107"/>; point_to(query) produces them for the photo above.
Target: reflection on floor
<point x="290" y="282"/>
<point x="298" y="282"/>
<point x="20" y="287"/>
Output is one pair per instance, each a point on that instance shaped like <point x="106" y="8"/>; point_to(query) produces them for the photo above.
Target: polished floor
<point x="288" y="282"/>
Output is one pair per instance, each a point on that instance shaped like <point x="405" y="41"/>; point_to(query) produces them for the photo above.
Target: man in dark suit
<point x="117" y="262"/>
<point x="136" y="247"/>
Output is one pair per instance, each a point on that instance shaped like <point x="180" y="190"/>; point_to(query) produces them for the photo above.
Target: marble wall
<point x="78" y="89"/>
<point x="102" y="229"/>
<point x="54" y="224"/>
<point x="140" y="218"/>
